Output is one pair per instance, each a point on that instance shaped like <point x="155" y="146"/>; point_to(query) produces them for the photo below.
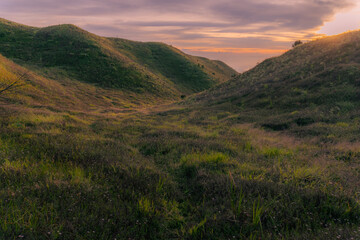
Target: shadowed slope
<point x="185" y="71"/>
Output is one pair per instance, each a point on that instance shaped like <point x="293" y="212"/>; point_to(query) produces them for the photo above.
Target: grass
<point x="144" y="177"/>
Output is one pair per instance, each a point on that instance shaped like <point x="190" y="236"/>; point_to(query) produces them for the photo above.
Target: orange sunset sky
<point x="238" y="32"/>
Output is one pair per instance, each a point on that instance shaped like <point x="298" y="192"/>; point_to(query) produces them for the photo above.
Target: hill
<point x="316" y="83"/>
<point x="113" y="63"/>
<point x="185" y="71"/>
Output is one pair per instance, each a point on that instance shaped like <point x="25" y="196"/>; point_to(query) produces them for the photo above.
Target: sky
<point x="238" y="32"/>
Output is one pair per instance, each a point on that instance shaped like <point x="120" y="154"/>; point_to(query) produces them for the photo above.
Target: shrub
<point x="296" y="43"/>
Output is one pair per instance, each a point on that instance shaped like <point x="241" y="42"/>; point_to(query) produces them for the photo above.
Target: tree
<point x="7" y="85"/>
<point x="10" y="86"/>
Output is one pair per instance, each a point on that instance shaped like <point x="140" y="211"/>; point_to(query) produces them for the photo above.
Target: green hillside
<point x="57" y="93"/>
<point x="107" y="62"/>
<point x="185" y="71"/>
<point x="314" y="83"/>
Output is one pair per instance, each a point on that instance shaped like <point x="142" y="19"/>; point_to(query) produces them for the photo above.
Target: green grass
<point x="146" y="177"/>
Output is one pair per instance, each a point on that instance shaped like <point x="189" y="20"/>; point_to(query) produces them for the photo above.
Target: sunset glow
<point x="236" y="50"/>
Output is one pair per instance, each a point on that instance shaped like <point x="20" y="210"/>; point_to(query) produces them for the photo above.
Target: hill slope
<point x="315" y="82"/>
<point x="42" y="94"/>
<point x="139" y="67"/>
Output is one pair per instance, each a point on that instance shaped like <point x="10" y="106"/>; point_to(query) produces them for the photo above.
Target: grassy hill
<point x="185" y="71"/>
<point x="314" y="84"/>
<point x="113" y="63"/>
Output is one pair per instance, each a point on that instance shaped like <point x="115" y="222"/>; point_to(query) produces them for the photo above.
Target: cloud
<point x="297" y="15"/>
<point x="217" y="26"/>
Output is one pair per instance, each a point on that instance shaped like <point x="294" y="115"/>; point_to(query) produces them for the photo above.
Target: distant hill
<point x="185" y="71"/>
<point x="109" y="62"/>
<point x="314" y="82"/>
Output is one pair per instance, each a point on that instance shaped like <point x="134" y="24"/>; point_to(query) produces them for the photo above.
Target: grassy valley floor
<point x="171" y="172"/>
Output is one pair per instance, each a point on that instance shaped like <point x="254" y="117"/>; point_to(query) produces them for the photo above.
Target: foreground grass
<point x="170" y="175"/>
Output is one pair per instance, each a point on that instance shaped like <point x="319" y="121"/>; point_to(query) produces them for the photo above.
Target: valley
<point x="114" y="139"/>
